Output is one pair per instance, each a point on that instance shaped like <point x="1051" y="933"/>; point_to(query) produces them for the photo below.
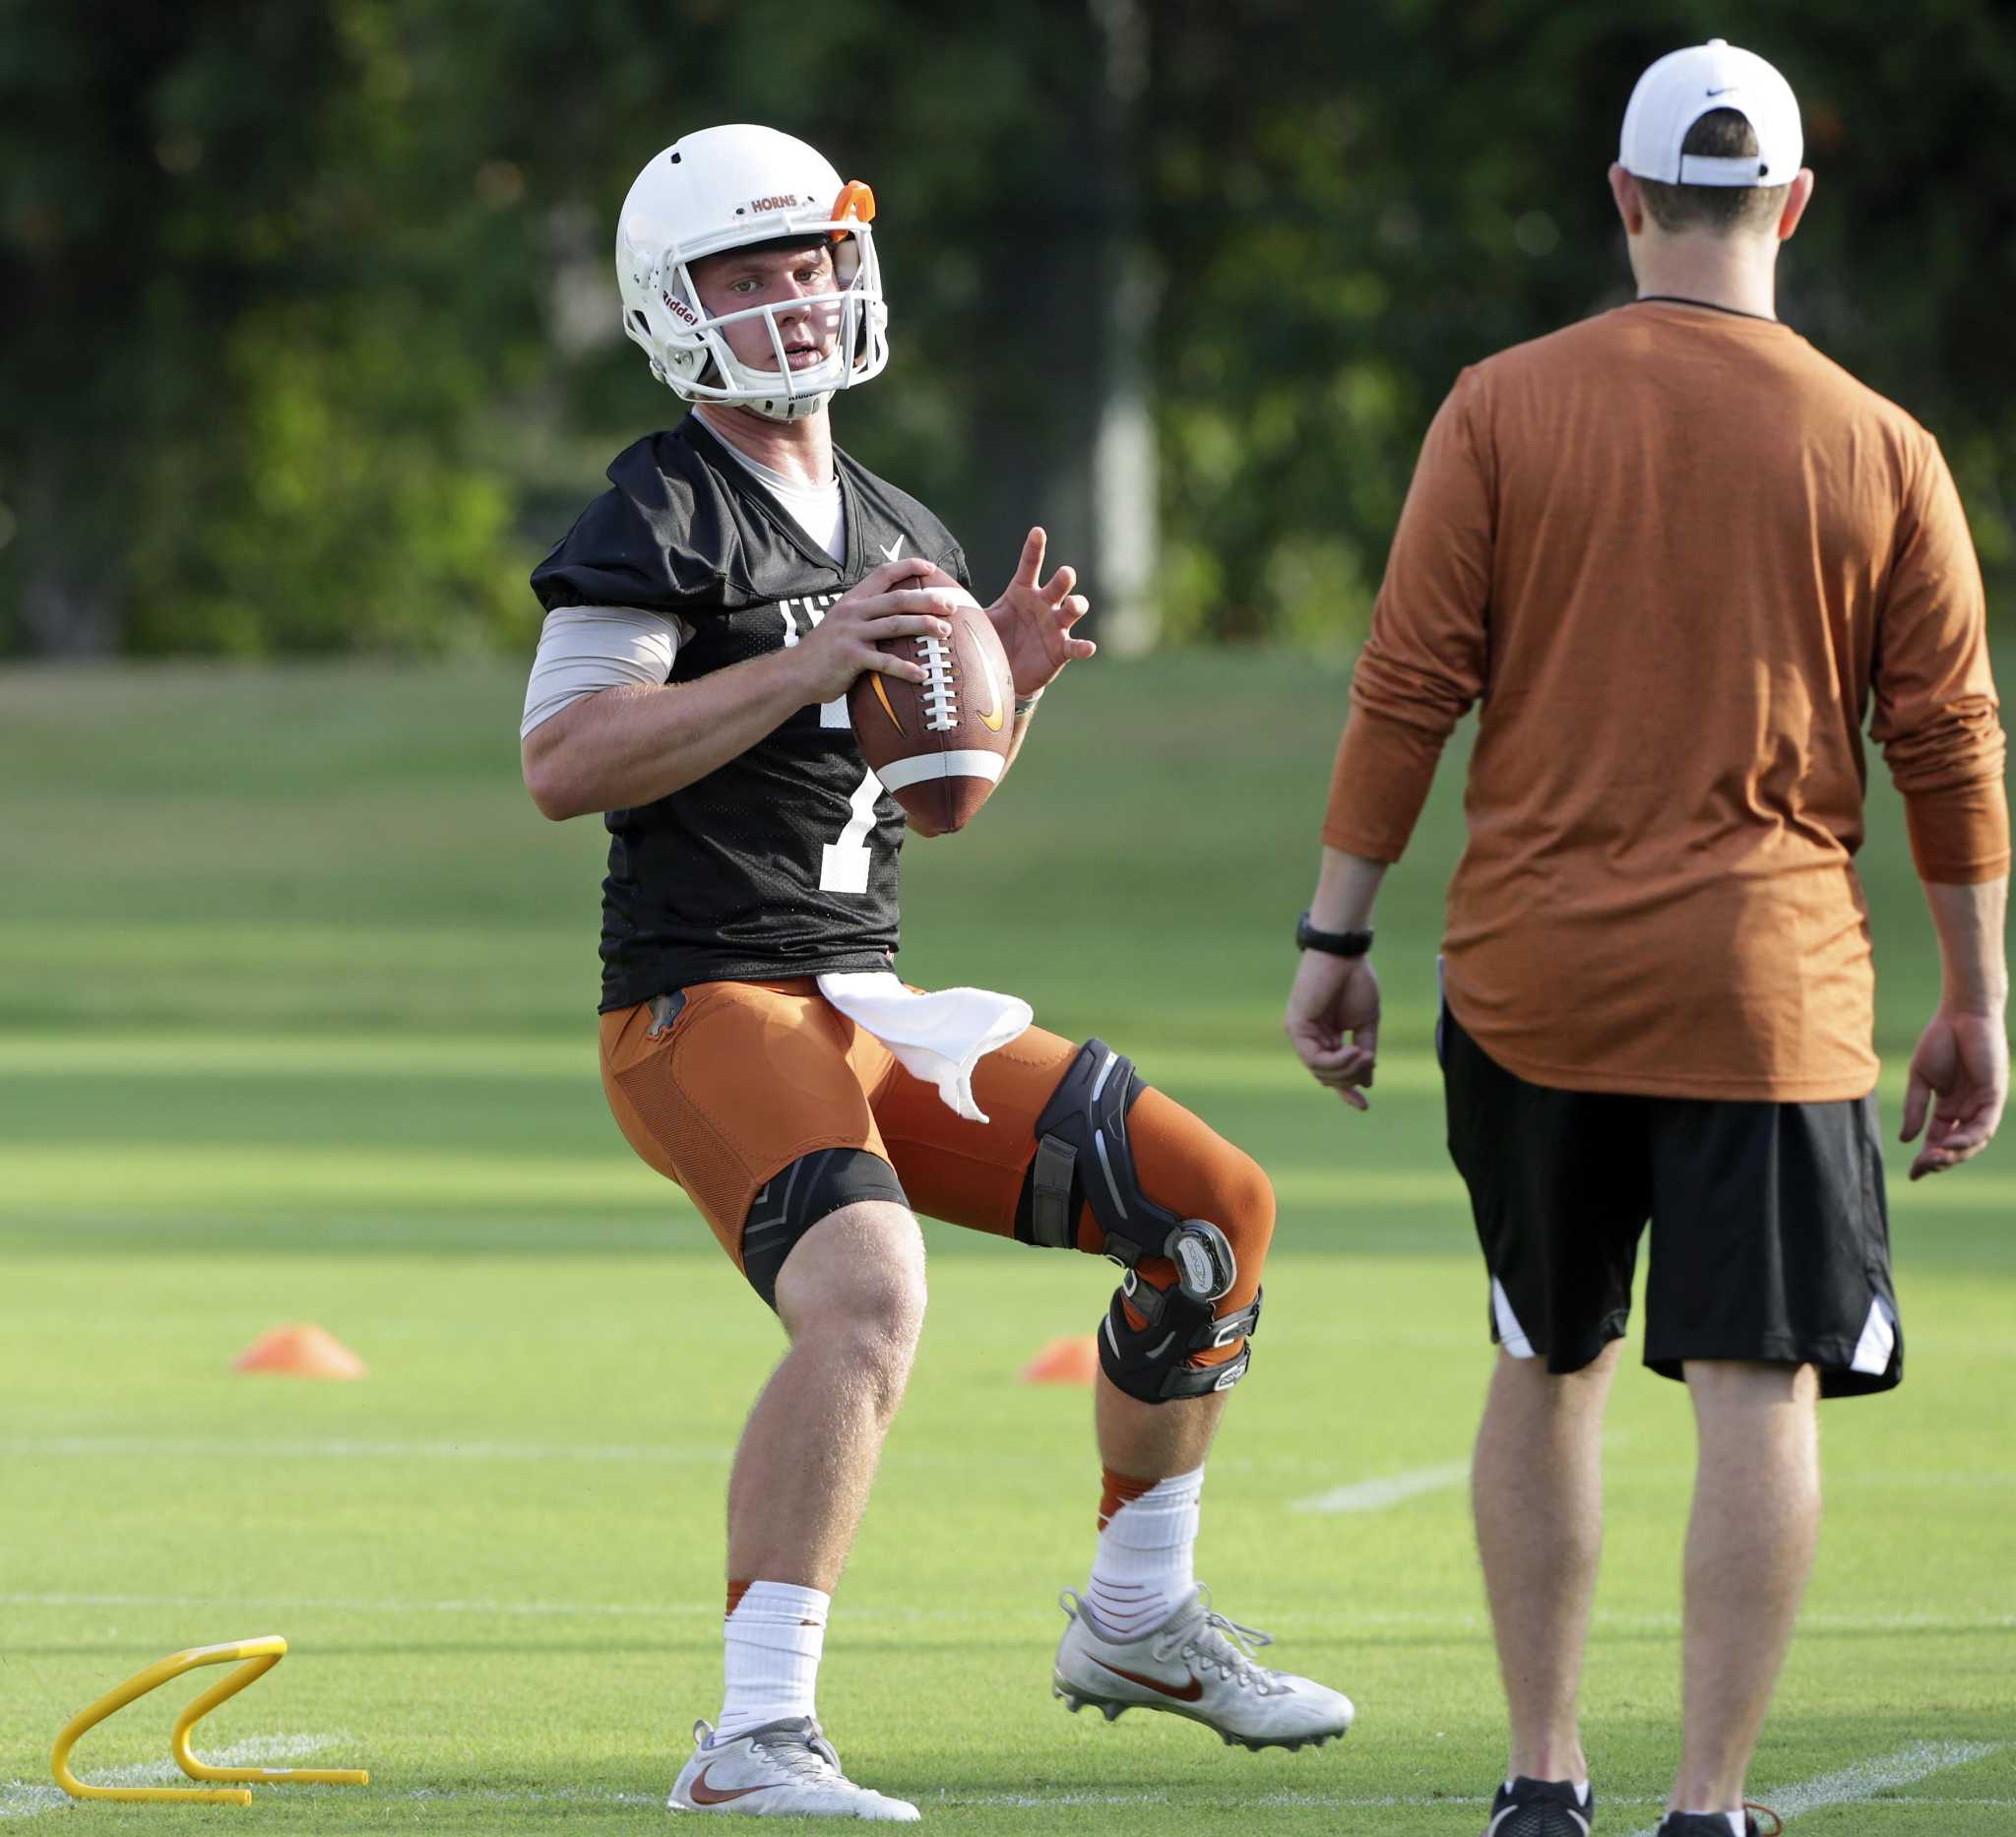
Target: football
<point x="939" y="745"/>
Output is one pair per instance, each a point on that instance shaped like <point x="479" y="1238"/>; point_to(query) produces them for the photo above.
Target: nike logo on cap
<point x="1189" y="1694"/>
<point x="1725" y="88"/>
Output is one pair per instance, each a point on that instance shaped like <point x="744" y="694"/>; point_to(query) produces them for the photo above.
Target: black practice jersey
<point x="781" y="862"/>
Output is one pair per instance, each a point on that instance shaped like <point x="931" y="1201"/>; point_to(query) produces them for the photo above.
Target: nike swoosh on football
<point x="706" y="1794"/>
<point x="992" y="718"/>
<point x="1191" y="1694"/>
<point x="882" y="696"/>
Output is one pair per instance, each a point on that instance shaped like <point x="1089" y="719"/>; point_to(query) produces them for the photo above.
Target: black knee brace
<point x="803" y="1194"/>
<point x="1082" y="1156"/>
<point x="1151" y="1363"/>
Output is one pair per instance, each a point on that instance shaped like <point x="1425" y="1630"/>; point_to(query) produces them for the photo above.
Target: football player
<point x="705" y="618"/>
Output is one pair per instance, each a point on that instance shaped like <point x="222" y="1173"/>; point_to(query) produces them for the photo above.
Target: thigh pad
<point x="808" y="1190"/>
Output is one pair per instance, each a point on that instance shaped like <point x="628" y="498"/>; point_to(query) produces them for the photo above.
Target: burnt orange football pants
<point x="748" y="1077"/>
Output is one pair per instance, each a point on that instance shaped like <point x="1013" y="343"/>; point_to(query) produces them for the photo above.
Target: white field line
<point x="206" y="1447"/>
<point x="539" y="1796"/>
<point x="25" y="1799"/>
<point x="503" y="1609"/>
<point x="607" y="1454"/>
<point x="1858" y="1785"/>
<point x="1458" y="1625"/>
<point x="1327" y="1802"/>
<point x="1373" y="1495"/>
<point x="1331" y="1802"/>
<point x="504" y="1057"/>
<point x="1049" y="1802"/>
<point x="21" y="1799"/>
<point x="1365" y="1496"/>
<point x="1066" y="1799"/>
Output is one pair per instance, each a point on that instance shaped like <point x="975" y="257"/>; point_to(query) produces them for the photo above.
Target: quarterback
<point x="705" y="620"/>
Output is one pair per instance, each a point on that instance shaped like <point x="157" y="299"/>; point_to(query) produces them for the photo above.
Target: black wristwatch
<point x="1336" y="943"/>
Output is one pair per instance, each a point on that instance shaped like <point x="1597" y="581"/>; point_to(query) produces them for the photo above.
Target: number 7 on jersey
<point x="844" y="865"/>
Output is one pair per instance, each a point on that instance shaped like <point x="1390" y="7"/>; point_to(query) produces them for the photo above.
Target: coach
<point x="1675" y="556"/>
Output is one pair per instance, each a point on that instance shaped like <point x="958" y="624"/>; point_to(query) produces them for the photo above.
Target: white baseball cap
<point x="1681" y="88"/>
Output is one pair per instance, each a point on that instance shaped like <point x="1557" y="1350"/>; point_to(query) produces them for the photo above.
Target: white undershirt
<point x="814" y="508"/>
<point x="584" y="649"/>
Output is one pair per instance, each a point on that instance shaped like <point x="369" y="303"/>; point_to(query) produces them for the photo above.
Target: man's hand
<point x="1033" y="622"/>
<point x="1962" y="1061"/>
<point x="1333" y="996"/>
<point x="844" y="643"/>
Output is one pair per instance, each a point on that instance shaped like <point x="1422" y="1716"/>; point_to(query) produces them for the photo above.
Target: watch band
<point x="1336" y="943"/>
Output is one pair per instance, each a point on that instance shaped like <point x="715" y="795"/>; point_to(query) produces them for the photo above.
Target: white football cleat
<point x="782" y="1770"/>
<point x="1197" y="1664"/>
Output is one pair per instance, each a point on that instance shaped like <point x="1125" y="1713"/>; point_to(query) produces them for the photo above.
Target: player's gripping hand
<point x="1961" y="1073"/>
<point x="846" y="641"/>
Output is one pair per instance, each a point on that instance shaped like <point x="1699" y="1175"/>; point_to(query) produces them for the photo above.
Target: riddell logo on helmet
<point x="786" y="203"/>
<point x="680" y="310"/>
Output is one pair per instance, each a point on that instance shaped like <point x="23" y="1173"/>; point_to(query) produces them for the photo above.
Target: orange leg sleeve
<point x="1186" y="1165"/>
<point x="971" y="1174"/>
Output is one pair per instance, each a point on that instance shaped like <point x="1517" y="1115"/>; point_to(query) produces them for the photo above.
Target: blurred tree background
<point x="308" y="327"/>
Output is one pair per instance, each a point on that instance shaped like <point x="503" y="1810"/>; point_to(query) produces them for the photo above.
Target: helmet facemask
<point x="688" y="347"/>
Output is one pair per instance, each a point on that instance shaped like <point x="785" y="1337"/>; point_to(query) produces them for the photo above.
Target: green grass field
<point x="295" y="1023"/>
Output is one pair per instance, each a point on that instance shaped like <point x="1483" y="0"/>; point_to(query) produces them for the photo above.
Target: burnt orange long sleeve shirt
<point x="1676" y="556"/>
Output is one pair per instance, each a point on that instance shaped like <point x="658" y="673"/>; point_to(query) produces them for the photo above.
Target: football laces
<point x="940" y="685"/>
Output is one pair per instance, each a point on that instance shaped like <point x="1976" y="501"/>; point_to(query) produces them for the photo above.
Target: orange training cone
<point x="1074" y="1361"/>
<point x="300" y="1350"/>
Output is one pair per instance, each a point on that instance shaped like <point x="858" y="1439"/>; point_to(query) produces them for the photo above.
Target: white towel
<point x="939" y="1036"/>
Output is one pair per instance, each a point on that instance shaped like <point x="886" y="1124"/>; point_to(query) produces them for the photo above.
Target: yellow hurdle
<point x="258" y="1656"/>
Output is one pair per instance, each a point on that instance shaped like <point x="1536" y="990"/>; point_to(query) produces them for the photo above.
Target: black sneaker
<point x="1541" y="1808"/>
<point x="1714" y="1824"/>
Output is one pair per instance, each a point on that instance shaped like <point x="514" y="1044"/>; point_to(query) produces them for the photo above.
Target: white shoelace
<point x="1229" y="1648"/>
<point x="800" y="1751"/>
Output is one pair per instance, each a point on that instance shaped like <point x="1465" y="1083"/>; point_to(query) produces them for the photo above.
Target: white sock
<point x="1143" y="1570"/>
<point x="772" y="1642"/>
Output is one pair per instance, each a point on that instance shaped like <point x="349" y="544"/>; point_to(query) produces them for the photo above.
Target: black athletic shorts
<point x="1769" y="1238"/>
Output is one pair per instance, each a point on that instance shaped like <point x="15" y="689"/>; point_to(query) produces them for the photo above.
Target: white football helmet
<point x="726" y="188"/>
